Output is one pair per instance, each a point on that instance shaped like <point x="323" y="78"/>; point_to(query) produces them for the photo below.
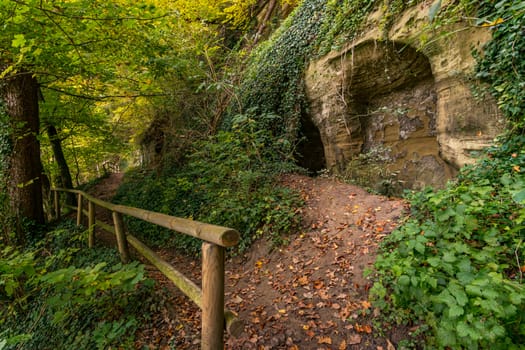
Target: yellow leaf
<point x="493" y="23"/>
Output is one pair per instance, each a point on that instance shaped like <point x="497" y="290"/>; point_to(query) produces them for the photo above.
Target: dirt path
<point x="310" y="294"/>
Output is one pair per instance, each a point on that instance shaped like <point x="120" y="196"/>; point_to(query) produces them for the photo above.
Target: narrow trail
<point x="310" y="294"/>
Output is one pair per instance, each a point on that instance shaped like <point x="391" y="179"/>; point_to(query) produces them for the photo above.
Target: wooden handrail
<point x="223" y="236"/>
<point x="215" y="239"/>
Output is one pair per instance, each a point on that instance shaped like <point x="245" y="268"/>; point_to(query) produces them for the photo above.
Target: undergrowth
<point x="229" y="180"/>
<point x="57" y="294"/>
<point x="455" y="268"/>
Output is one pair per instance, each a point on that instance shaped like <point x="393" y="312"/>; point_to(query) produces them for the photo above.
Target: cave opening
<point x="310" y="150"/>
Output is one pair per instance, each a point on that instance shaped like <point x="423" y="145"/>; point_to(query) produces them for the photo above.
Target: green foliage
<point x="274" y="82"/>
<point x="53" y="296"/>
<point x="228" y="180"/>
<point x="343" y="19"/>
<point x="456" y="265"/>
<point x="502" y="65"/>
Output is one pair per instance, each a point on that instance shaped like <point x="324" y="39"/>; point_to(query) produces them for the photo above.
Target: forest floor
<point x="309" y="294"/>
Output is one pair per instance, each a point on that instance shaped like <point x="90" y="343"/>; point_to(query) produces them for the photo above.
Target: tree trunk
<point x="20" y="96"/>
<point x="58" y="153"/>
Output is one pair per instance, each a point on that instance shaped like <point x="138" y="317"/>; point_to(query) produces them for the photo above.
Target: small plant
<point x="53" y="297"/>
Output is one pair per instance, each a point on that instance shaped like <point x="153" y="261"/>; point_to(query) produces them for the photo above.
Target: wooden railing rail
<point x="215" y="239"/>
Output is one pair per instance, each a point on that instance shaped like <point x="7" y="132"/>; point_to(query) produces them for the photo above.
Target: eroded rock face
<point x="415" y="106"/>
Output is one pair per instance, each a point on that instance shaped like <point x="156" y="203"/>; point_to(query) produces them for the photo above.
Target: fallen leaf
<point x="303" y="280"/>
<point x="354" y="339"/>
<point x="363" y="328"/>
<point x="366" y="305"/>
<point x="237" y="300"/>
<point x="324" y="340"/>
<point x="342" y="346"/>
<point x="389" y="345"/>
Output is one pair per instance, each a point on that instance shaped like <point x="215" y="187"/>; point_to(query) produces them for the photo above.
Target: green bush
<point x="229" y="180"/>
<point x="456" y="264"/>
<point x="57" y="295"/>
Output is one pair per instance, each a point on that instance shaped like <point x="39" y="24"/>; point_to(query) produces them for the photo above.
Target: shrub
<point x="229" y="180"/>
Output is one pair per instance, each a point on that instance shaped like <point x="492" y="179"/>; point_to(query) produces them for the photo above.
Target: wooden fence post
<point x="79" y="209"/>
<point x="212" y="297"/>
<point x="121" y="237"/>
<point x="57" y="204"/>
<point x="91" y="224"/>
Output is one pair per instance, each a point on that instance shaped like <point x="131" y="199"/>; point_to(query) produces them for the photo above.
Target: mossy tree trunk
<point x="65" y="179"/>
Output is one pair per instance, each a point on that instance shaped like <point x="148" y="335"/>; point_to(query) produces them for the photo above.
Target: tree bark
<point x="20" y="96"/>
<point x="58" y="153"/>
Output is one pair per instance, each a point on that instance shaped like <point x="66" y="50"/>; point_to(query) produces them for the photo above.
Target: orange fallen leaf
<point x="303" y="280"/>
<point x="342" y="346"/>
<point x="324" y="340"/>
<point x="363" y="328"/>
<point x="366" y="304"/>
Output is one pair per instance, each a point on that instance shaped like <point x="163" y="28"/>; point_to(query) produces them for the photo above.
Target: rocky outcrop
<point x="412" y="102"/>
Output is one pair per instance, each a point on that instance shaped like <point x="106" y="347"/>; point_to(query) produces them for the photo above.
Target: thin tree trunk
<point x="267" y="16"/>
<point x="20" y="96"/>
<point x="65" y="175"/>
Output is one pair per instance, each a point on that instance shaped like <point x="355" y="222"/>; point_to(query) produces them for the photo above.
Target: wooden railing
<point x="215" y="239"/>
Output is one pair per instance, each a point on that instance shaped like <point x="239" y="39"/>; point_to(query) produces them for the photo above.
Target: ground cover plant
<point x="57" y="294"/>
<point x="454" y="270"/>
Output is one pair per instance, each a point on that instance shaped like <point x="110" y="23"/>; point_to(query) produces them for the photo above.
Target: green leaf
<point x="519" y="197"/>
<point x="404" y="280"/>
<point x="18" y="41"/>
<point x="434" y="9"/>
<point x="459" y="293"/>
<point x="454" y="311"/>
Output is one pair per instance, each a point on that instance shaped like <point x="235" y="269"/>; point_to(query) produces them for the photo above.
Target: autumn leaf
<point x="493" y="23"/>
<point x="324" y="340"/>
<point x="363" y="328"/>
<point x="303" y="280"/>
